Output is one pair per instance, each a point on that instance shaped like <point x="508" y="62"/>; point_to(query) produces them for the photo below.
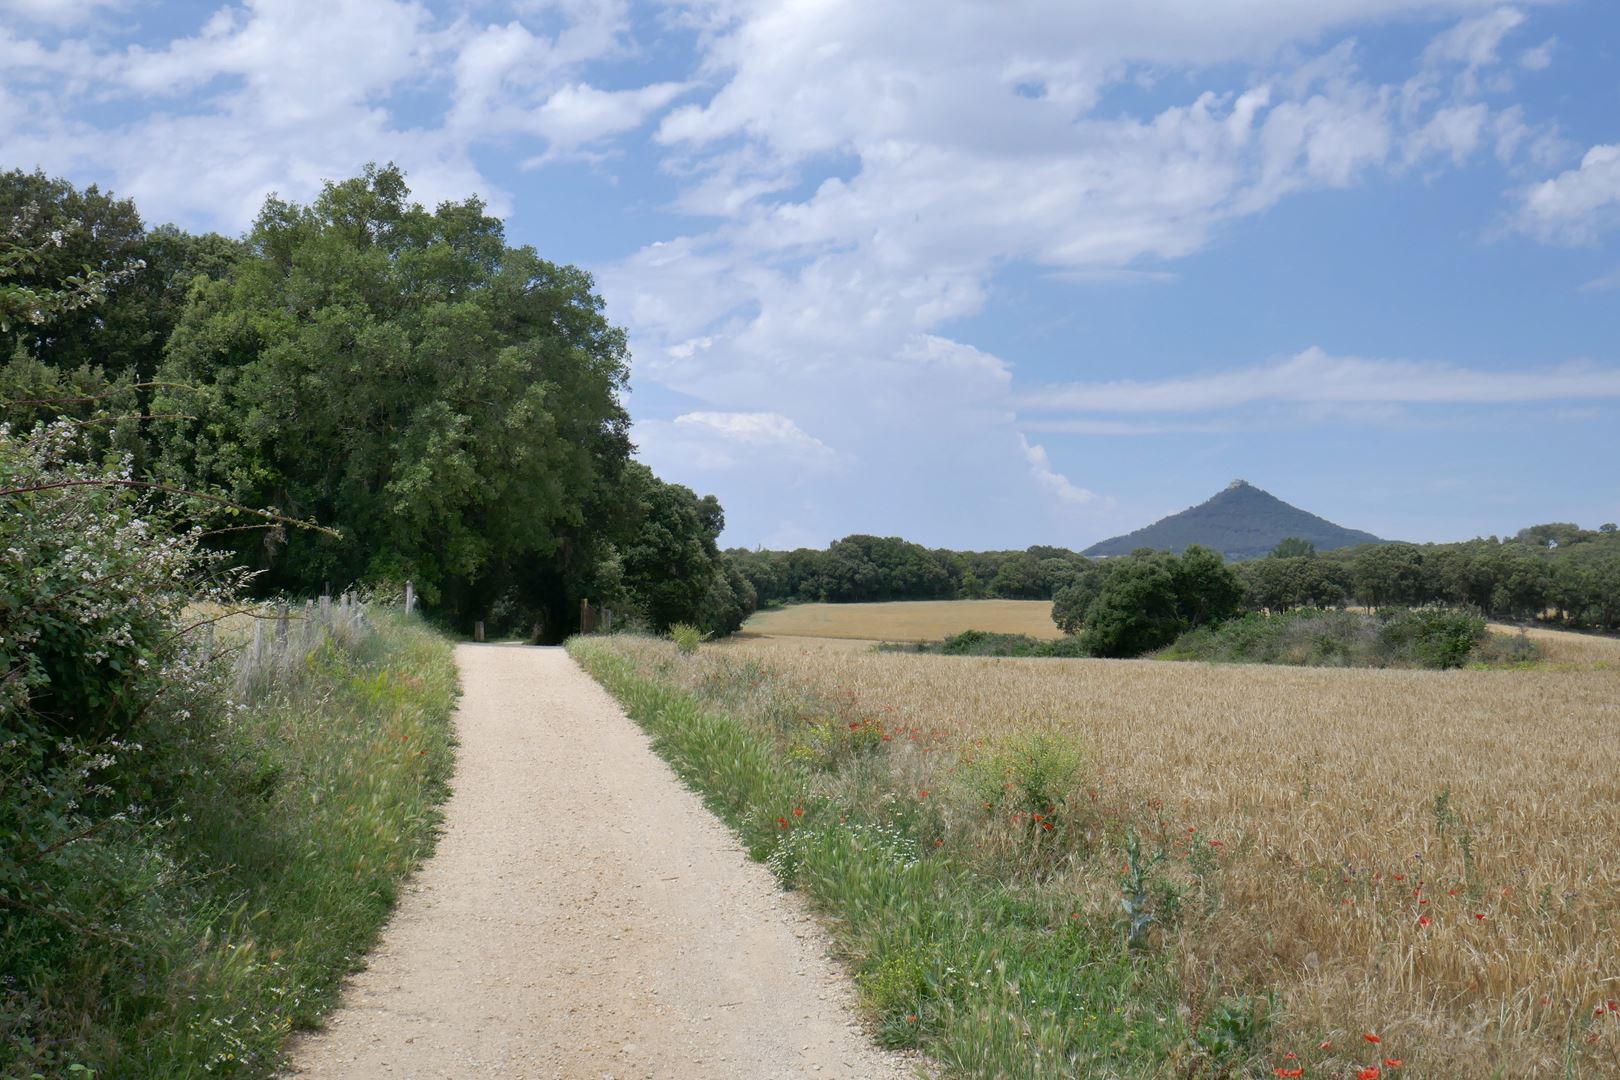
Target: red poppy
<point x="911" y="1018"/>
<point x="1480" y="915"/>
<point x="798" y="811"/>
<point x="1325" y="1044"/>
<point x="1400" y="877"/>
<point x="1370" y="1037"/>
<point x="922" y="794"/>
<point x="1298" y="1071"/>
<point x="1424" y="920"/>
<point x="1046" y="825"/>
<point x="1290" y="1056"/>
<point x="1392" y="1063"/>
<point x="1371" y="1072"/>
<point x="856" y="726"/>
<point x="782" y="821"/>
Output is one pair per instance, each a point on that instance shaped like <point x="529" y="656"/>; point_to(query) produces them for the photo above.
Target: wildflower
<point x="1290" y="1056"/>
<point x="1480" y="915"/>
<point x="1424" y="920"/>
<point x="1371" y="1072"/>
<point x="922" y="794"/>
<point x="1325" y="1044"/>
<point x="782" y="821"/>
<point x="1296" y="1071"/>
<point x="911" y="1018"/>
<point x="1370" y="1037"/>
<point x="1400" y="877"/>
<point x="798" y="811"/>
<point x="1393" y="1063"/>
<point x="1046" y="825"/>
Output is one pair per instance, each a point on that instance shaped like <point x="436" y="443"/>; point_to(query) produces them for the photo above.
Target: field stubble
<point x="1424" y="855"/>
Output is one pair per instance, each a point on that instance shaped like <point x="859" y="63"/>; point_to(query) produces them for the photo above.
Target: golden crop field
<point x="905" y="620"/>
<point x="1430" y="856"/>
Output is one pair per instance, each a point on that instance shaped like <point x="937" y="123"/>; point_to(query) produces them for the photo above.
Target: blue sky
<point x="978" y="274"/>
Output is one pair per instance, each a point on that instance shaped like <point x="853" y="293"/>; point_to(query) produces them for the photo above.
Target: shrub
<point x="1434" y="637"/>
<point x="686" y="637"/>
<point x="1422" y="637"/>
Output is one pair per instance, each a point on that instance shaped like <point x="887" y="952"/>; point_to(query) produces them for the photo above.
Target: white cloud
<point x="1313" y="377"/>
<point x="1578" y="204"/>
<point x="1055" y="483"/>
<point x="1474" y="42"/>
<point x="278" y="95"/>
<point x="1603" y="283"/>
<point x="579" y="114"/>
<point x="58" y="13"/>
<point x="760" y="431"/>
<point x="1540" y="57"/>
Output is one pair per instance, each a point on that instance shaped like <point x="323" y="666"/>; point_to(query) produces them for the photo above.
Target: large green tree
<point x="446" y="401"/>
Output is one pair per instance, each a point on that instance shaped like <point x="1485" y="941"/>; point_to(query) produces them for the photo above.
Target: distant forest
<point x="1559" y="571"/>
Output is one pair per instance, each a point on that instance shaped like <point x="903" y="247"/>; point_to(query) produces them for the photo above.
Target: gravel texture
<point x="585" y="917"/>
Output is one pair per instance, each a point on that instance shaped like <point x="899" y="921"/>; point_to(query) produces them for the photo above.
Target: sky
<point x="980" y="274"/>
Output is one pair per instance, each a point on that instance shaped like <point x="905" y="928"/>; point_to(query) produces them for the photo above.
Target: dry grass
<point x="1332" y="810"/>
<point x="1566" y="648"/>
<point x="905" y="620"/>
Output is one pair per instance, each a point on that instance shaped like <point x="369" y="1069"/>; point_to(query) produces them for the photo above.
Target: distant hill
<point x="1242" y="522"/>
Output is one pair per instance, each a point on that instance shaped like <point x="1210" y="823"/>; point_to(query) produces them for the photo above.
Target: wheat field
<point x="905" y="620"/>
<point x="1430" y="856"/>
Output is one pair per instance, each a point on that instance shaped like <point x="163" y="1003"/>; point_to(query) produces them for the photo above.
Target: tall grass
<point x="1258" y="861"/>
<point x="193" y="938"/>
<point x="993" y="978"/>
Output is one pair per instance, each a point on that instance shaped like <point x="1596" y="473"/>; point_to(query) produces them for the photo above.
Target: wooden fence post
<point x="410" y="598"/>
<point x="478" y="630"/>
<point x="258" y="638"/>
<point x="309" y="623"/>
<point x="584" y="616"/>
<point x="326" y="609"/>
<point x="281" y="625"/>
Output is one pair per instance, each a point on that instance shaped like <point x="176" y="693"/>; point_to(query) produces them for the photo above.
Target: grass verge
<point x="188" y="940"/>
<point x="993" y="976"/>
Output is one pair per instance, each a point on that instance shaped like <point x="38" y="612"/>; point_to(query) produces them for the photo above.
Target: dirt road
<point x="585" y="917"/>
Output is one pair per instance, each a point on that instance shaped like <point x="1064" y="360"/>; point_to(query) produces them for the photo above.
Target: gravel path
<point x="585" y="917"/>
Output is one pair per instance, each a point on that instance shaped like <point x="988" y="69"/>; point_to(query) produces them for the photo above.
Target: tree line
<point x="445" y="405"/>
<point x="1557" y="572"/>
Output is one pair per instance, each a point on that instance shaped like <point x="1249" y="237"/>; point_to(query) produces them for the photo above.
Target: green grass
<point x="229" y="918"/>
<point x="990" y="974"/>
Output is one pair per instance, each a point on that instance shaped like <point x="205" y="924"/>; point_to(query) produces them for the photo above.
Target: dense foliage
<point x="872" y="568"/>
<point x="447" y="404"/>
<point x="1125" y="607"/>
<point x="1404" y="637"/>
